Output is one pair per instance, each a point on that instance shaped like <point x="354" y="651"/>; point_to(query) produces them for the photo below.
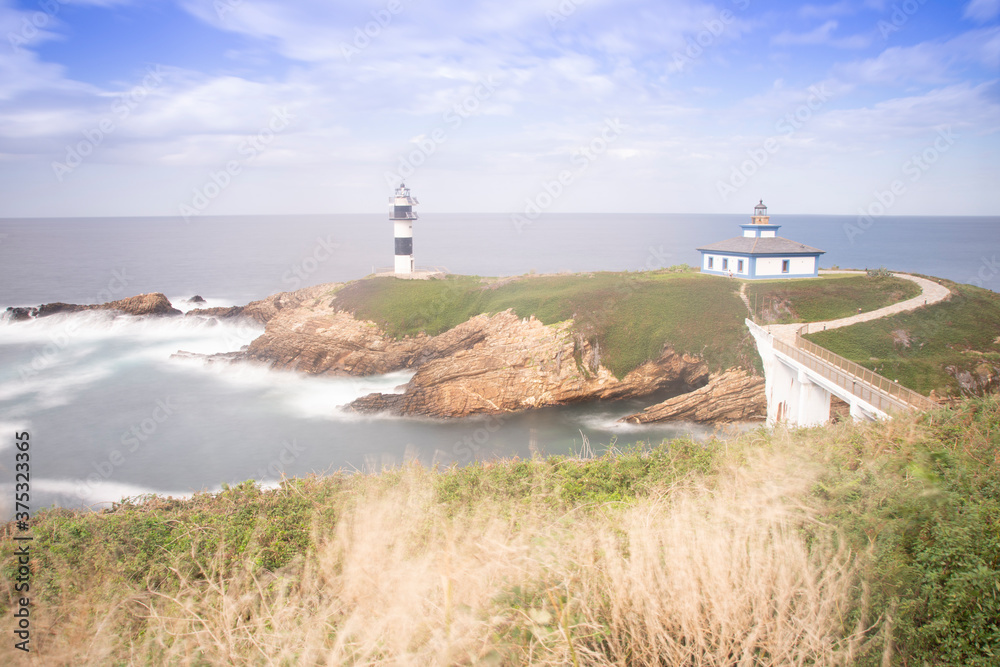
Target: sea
<point x="112" y="412"/>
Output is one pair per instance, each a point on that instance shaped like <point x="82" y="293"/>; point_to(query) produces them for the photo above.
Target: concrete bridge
<point x="801" y="377"/>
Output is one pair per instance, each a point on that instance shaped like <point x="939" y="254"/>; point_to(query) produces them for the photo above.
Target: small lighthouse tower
<point x="402" y="215"/>
<point x="760" y="216"/>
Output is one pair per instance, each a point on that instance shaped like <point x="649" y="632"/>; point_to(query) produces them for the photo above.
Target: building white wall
<point x="733" y="264"/>
<point x="767" y="234"/>
<point x="771" y="266"/>
<point x="402" y="229"/>
<point x="768" y="266"/>
<point x="803" y="265"/>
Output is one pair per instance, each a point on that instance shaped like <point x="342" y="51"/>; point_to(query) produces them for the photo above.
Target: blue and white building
<point x="760" y="253"/>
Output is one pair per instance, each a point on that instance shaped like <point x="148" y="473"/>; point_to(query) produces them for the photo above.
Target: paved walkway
<point x="931" y="292"/>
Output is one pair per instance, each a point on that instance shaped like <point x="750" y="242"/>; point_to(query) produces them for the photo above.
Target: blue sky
<point x="213" y="107"/>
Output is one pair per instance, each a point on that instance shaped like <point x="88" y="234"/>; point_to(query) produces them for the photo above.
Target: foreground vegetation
<point x="828" y="297"/>
<point x="951" y="347"/>
<point x="630" y="315"/>
<point x="852" y="544"/>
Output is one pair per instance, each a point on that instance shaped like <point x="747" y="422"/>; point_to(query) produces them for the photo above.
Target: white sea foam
<point x="79" y="493"/>
<point x="51" y="388"/>
<point x="8" y="429"/>
<point x="181" y="302"/>
<point x="608" y="422"/>
<point x="309" y="396"/>
<point x="67" y="328"/>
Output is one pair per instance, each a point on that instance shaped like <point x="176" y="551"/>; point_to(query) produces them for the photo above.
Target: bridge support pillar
<point x="814" y="402"/>
<point x="858" y="413"/>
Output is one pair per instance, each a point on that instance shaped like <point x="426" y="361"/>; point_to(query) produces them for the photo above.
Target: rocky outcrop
<point x="731" y="396"/>
<point x="488" y="364"/>
<point x="514" y="364"/>
<point x="153" y="303"/>
<point x="264" y="310"/>
<point x="976" y="380"/>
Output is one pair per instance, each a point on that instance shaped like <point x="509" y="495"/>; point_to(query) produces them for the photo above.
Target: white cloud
<point x="932" y="62"/>
<point x="842" y="8"/>
<point x="822" y="35"/>
<point x="982" y="10"/>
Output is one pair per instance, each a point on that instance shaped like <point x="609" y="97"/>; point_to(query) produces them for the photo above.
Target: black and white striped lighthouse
<point x="402" y="215"/>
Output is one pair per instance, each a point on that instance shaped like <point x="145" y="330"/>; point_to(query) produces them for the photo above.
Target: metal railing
<point x="879" y="391"/>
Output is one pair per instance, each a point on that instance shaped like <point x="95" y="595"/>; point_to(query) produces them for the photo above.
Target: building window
<point x="739" y="266"/>
<point x="725" y="264"/>
<point x="784" y="266"/>
<point x="711" y="261"/>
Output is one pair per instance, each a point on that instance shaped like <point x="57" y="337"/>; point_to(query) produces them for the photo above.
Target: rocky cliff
<point x="731" y="396"/>
<point x="488" y="364"/>
<point x="505" y="364"/>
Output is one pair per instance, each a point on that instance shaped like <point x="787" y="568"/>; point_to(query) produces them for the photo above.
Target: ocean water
<point x="113" y="412"/>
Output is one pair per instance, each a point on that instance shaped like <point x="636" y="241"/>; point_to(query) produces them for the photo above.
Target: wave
<point x="50" y="389"/>
<point x="62" y="328"/>
<point x="79" y="493"/>
<point x="309" y="396"/>
<point x="181" y="302"/>
<point x="607" y="422"/>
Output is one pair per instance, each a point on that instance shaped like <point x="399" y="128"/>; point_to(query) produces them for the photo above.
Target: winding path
<point x="931" y="292"/>
<point x="881" y="393"/>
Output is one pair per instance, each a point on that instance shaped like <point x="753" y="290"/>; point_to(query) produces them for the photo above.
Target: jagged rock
<point x="264" y="310"/>
<point x="18" y="314"/>
<point x="516" y="364"/>
<point x="488" y="364"/>
<point x="984" y="378"/>
<point x="731" y="396"/>
<point x="196" y="299"/>
<point x="222" y="312"/>
<point x="154" y="303"/>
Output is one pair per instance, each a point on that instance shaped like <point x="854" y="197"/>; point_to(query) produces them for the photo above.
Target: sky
<point x="221" y="107"/>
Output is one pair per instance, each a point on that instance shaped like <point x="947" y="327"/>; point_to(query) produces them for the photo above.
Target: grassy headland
<point x="930" y="348"/>
<point x="630" y="315"/>
<point x="852" y="544"/>
<point x="825" y="298"/>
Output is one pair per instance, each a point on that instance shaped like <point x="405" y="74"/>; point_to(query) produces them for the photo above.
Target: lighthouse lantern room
<point x="402" y="215"/>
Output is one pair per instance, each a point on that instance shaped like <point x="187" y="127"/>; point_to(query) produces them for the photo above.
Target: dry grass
<point x="729" y="571"/>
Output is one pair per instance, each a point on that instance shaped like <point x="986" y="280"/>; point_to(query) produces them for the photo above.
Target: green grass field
<point x="825" y="298"/>
<point x="862" y="544"/>
<point x="919" y="347"/>
<point x="631" y="315"/>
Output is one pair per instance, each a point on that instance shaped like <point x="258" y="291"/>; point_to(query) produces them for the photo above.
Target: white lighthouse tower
<point x="402" y="215"/>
